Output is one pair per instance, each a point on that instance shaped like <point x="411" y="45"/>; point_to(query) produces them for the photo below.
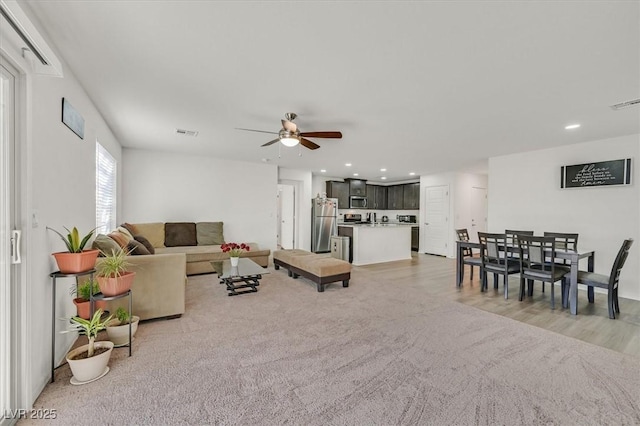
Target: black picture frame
<point x="72" y="119"/>
<point x="600" y="173"/>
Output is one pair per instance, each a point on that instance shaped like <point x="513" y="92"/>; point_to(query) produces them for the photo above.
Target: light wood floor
<point x="592" y="324"/>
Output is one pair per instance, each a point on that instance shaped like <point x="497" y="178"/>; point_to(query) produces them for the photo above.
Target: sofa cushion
<point x="119" y="238"/>
<point x="136" y="248"/>
<point x="180" y="234"/>
<point x="209" y="233"/>
<point x="105" y="244"/>
<point x="145" y="243"/>
<point x="125" y="232"/>
<point x="154" y="232"/>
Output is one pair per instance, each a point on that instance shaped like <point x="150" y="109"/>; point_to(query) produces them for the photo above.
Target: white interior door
<point x="286" y="216"/>
<point x="436" y="220"/>
<point x="478" y="212"/>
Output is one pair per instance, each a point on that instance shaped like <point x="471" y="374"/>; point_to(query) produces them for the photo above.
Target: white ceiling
<point x="420" y="87"/>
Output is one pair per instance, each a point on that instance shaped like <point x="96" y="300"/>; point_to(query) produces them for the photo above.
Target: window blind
<point x="105" y="191"/>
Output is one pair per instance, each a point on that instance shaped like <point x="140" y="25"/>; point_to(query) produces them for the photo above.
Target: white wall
<point x="525" y="193"/>
<point x="58" y="186"/>
<point x="171" y="187"/>
<point x="302" y="181"/>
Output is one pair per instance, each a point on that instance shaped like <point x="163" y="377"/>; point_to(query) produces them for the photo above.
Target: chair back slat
<point x="564" y="241"/>
<point x="534" y="255"/>
<point x="512" y="240"/>
<point x="463" y="235"/>
<point x="621" y="258"/>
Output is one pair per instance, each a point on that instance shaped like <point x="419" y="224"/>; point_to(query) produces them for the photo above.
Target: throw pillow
<point x="209" y="233"/>
<point x="154" y="232"/>
<point x="126" y="232"/>
<point x="145" y="243"/>
<point x="131" y="228"/>
<point x="119" y="238"/>
<point x="180" y="234"/>
<point x="105" y="244"/>
<point x="136" y="248"/>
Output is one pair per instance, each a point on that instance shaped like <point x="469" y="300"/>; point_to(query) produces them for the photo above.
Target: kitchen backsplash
<point x="391" y="214"/>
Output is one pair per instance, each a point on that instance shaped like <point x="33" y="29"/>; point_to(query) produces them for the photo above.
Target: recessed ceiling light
<point x="383" y="178"/>
<point x="412" y="174"/>
<point x="323" y="171"/>
<point x="355" y="174"/>
<point x="572" y="126"/>
<point x="383" y="170"/>
<point x="348" y="164"/>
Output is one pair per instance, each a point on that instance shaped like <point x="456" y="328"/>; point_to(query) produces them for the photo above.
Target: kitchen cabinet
<point x="339" y="190"/>
<point x="357" y="187"/>
<point x="395" y="197"/>
<point x="377" y="196"/>
<point x="415" y="238"/>
<point x="411" y="196"/>
<point x="347" y="231"/>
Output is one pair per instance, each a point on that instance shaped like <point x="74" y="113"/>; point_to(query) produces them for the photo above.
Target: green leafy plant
<point x="114" y="264"/>
<point x="84" y="290"/>
<point x="122" y="315"/>
<point x="72" y="240"/>
<point x="89" y="327"/>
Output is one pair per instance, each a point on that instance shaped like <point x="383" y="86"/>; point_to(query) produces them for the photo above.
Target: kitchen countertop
<point x="381" y="224"/>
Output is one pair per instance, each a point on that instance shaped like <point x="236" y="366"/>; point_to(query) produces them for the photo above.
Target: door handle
<point x="15" y="247"/>
<point x="426" y="223"/>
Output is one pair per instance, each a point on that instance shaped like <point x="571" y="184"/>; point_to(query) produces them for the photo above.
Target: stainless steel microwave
<point x="357" y="202"/>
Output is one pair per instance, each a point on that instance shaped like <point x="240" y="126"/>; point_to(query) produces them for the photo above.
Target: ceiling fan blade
<point x="271" y="142"/>
<point x="335" y="135"/>
<point x="259" y="131"/>
<point x="308" y="144"/>
<point x="289" y="126"/>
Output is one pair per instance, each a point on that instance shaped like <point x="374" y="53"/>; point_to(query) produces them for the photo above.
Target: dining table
<point x="573" y="256"/>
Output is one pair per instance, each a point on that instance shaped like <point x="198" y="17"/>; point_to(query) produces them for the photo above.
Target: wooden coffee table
<point x="246" y="276"/>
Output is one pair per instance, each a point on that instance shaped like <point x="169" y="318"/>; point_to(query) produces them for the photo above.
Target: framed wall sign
<point x="602" y="173"/>
<point x="72" y="118"/>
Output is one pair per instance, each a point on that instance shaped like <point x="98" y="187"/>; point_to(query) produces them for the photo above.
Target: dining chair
<point x="564" y="241"/>
<point x="512" y="241"/>
<point x="534" y="252"/>
<point x="496" y="261"/>
<point x="609" y="282"/>
<point x="468" y="256"/>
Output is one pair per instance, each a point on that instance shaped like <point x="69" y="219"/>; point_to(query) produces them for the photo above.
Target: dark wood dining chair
<point x="609" y="282"/>
<point x="469" y="258"/>
<point x="534" y="253"/>
<point x="564" y="241"/>
<point x="495" y="260"/>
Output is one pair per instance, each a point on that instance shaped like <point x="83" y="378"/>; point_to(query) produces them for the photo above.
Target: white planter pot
<point x="119" y="334"/>
<point x="86" y="370"/>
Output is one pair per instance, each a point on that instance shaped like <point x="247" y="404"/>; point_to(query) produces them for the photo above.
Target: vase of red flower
<point x="234" y="250"/>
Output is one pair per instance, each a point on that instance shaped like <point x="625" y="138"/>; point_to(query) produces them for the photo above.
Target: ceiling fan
<point x="289" y="135"/>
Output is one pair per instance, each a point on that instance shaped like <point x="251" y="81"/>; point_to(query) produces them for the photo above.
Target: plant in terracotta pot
<point x="89" y="362"/>
<point x="118" y="328"/>
<point x="113" y="277"/>
<point x="76" y="259"/>
<point x="83" y="293"/>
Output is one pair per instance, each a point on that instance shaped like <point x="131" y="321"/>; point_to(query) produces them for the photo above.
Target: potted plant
<point x="118" y="328"/>
<point x="75" y="259"/>
<point x="234" y="250"/>
<point x="113" y="277"/>
<point x="83" y="292"/>
<point x="89" y="362"/>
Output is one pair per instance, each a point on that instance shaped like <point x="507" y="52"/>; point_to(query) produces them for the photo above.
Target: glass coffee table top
<point x="245" y="276"/>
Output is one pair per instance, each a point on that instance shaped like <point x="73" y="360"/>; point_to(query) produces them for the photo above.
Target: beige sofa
<point x="158" y="289"/>
<point x="200" y="256"/>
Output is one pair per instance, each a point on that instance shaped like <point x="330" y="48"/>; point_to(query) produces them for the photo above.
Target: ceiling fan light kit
<point x="290" y="136"/>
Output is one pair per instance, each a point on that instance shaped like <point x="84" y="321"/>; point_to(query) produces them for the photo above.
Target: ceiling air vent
<point x="626" y="104"/>
<point x="184" y="132"/>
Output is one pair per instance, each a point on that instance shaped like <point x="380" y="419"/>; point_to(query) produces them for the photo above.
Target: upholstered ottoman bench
<point x="319" y="269"/>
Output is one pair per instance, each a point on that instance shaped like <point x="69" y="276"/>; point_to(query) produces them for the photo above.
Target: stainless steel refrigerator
<point x="324" y="223"/>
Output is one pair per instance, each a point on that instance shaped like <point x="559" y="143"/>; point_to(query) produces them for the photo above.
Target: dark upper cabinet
<point x="339" y="190"/>
<point x="411" y="196"/>
<point x="377" y="196"/>
<point x="395" y="197"/>
<point x="357" y="187"/>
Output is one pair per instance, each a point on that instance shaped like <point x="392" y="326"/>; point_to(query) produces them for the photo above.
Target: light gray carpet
<point x="376" y="353"/>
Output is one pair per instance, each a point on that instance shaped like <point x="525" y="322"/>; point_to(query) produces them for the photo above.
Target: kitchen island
<point x="377" y="243"/>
